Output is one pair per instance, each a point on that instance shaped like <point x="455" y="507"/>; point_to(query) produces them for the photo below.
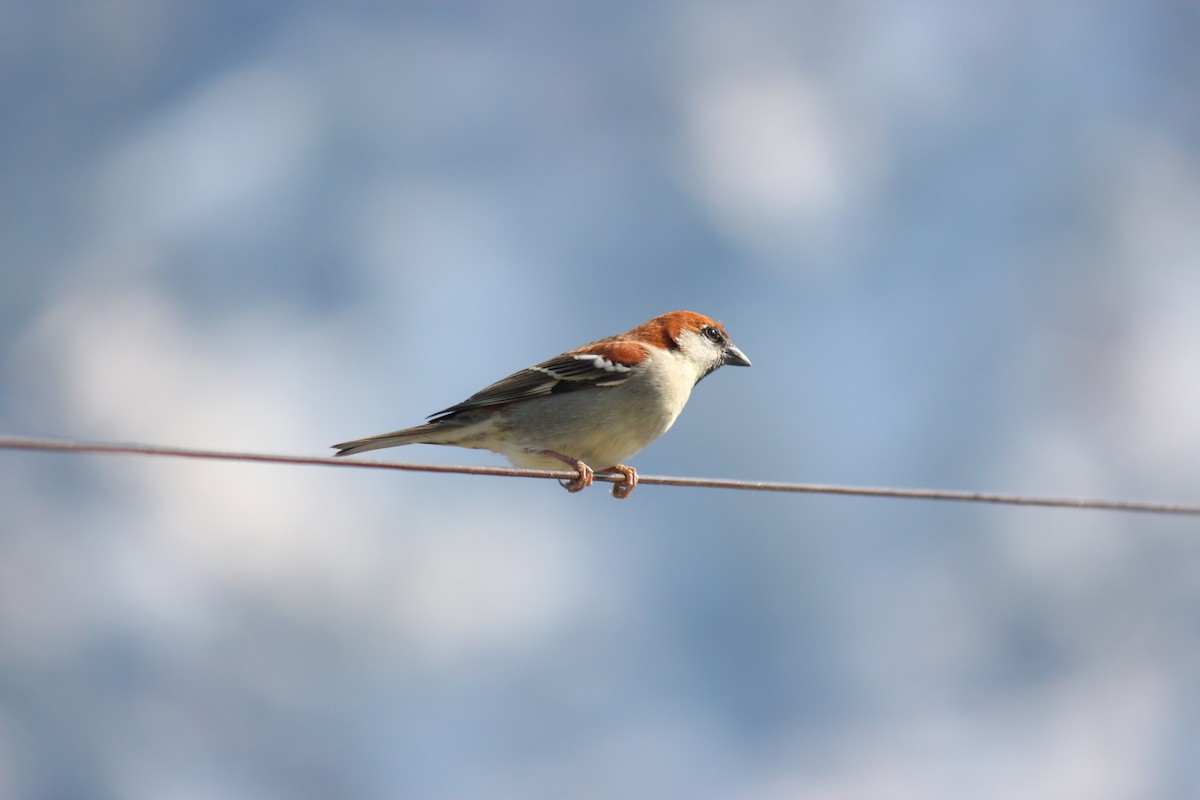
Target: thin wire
<point x="59" y="446"/>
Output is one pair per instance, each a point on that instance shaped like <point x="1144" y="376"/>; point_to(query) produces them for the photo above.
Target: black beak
<point x="734" y="357"/>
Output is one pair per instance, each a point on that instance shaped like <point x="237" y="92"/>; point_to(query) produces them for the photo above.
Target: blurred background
<point x="960" y="242"/>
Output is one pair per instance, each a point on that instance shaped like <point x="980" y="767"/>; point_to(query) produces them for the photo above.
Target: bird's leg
<point x="585" y="472"/>
<point x="622" y="490"/>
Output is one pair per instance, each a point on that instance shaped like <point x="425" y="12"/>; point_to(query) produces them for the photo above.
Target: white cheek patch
<point x="702" y="355"/>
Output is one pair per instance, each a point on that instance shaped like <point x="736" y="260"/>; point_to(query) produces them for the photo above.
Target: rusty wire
<point x="60" y="446"/>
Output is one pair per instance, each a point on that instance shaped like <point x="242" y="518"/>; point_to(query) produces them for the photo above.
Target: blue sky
<point x="959" y="244"/>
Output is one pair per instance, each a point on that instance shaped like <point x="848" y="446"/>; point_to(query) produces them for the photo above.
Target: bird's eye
<point x="711" y="333"/>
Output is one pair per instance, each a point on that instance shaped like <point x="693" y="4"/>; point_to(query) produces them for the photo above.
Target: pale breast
<point x="603" y="426"/>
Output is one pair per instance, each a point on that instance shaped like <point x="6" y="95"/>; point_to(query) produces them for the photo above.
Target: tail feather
<point x="422" y="434"/>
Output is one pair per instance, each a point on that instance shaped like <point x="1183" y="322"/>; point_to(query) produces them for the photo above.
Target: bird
<point x="600" y="403"/>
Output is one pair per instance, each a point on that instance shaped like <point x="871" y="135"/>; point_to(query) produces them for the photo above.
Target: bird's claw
<point x="581" y="482"/>
<point x="622" y="490"/>
<point x="586" y="475"/>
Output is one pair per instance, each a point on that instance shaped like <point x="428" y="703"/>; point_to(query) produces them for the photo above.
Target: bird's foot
<point x="586" y="473"/>
<point x="622" y="490"/>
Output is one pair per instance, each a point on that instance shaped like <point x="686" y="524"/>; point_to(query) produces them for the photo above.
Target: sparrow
<point x="598" y="404"/>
